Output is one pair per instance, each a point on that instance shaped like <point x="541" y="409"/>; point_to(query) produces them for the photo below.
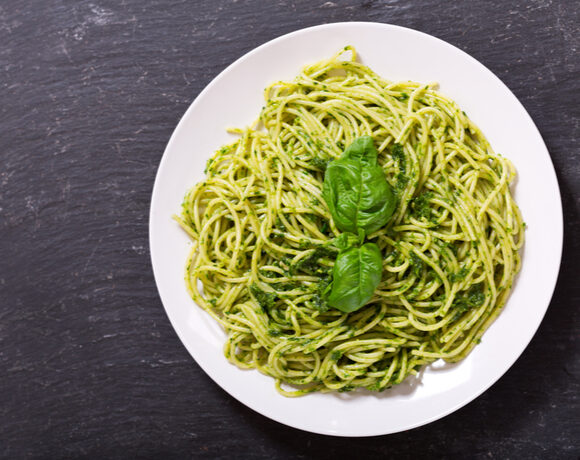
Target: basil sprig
<point x="356" y="190"/>
<point x="360" y="201"/>
<point x="356" y="274"/>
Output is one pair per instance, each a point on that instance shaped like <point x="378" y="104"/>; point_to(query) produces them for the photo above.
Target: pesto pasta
<point x="267" y="242"/>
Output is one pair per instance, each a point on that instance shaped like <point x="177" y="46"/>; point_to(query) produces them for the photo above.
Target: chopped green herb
<point x="461" y="274"/>
<point x="416" y="264"/>
<point x="280" y="224"/>
<point x="420" y="206"/>
<point x="346" y="389"/>
<point x="309" y="264"/>
<point x="336" y="355"/>
<point x="266" y="300"/>
<point x="398" y="154"/>
<point x="319" y="163"/>
<point x="401" y="183"/>
<point x="474" y="298"/>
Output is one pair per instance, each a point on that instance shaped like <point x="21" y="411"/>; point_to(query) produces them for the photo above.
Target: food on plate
<point x="360" y="230"/>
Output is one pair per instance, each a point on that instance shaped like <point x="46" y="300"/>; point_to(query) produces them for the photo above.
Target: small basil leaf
<point x="356" y="190"/>
<point x="341" y="191"/>
<point x="356" y="274"/>
<point x="361" y="235"/>
<point x="345" y="241"/>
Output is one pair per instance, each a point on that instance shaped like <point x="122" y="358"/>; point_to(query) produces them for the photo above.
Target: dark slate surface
<point x="90" y="93"/>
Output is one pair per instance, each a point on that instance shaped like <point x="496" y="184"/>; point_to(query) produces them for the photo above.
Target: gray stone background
<point x="90" y="94"/>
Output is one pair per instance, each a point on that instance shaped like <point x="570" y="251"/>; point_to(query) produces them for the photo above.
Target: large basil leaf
<point x="356" y="274"/>
<point x="356" y="190"/>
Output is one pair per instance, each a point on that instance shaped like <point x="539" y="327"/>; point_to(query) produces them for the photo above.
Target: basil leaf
<point x="356" y="190"/>
<point x="362" y="148"/>
<point x="356" y="274"/>
<point x="345" y="241"/>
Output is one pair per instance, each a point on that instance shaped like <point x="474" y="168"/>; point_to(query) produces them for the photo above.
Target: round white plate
<point x="234" y="98"/>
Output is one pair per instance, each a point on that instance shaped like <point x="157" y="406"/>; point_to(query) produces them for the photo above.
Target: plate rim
<point x="558" y="230"/>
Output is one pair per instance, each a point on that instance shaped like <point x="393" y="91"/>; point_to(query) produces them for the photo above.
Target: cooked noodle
<point x="259" y="227"/>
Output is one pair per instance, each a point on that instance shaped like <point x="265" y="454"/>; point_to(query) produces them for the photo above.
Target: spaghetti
<point x="261" y="231"/>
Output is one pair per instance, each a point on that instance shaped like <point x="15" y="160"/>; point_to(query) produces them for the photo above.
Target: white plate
<point x="234" y="98"/>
